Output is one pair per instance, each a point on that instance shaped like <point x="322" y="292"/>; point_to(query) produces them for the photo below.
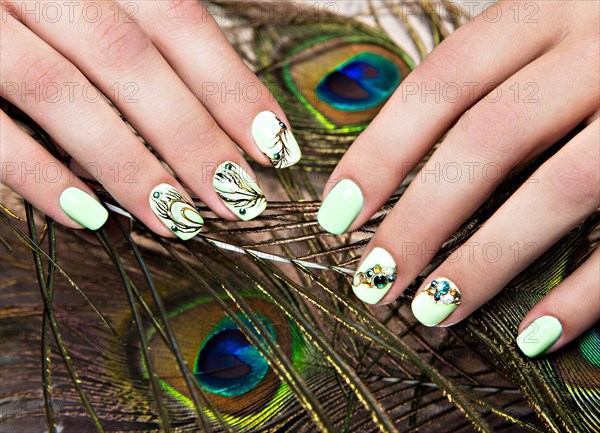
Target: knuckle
<point x="189" y="138"/>
<point x="46" y="74"/>
<point x="493" y="131"/>
<point x="576" y="182"/>
<point x="118" y="44"/>
<point x="180" y="14"/>
<point x="588" y="54"/>
<point x="444" y="65"/>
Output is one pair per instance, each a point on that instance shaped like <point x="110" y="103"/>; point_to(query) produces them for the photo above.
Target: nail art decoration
<point x="436" y="301"/>
<point x="239" y="191"/>
<point x="175" y="212"/>
<point x="375" y="276"/>
<point x="275" y="139"/>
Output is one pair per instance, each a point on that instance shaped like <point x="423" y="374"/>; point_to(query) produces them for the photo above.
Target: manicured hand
<point x="171" y="72"/>
<point x="504" y="88"/>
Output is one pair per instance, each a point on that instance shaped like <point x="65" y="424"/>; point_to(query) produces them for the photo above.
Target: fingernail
<point x="539" y="336"/>
<point x="341" y="206"/>
<point x="82" y="208"/>
<point x="375" y="276"/>
<point x="239" y="191"/>
<point x="436" y="301"/>
<point x="275" y="139"/>
<point x="175" y="212"/>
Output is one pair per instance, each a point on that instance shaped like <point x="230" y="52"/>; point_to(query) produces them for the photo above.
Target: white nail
<point x="175" y="212"/>
<point x="239" y="191"/>
<point x="275" y="139"/>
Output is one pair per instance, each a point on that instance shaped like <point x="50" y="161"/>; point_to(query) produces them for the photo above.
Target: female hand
<point x="507" y="86"/>
<point x="171" y="72"/>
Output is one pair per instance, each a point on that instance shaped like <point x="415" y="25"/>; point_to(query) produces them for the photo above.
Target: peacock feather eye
<point x="233" y="372"/>
<point x="344" y="82"/>
<point x="362" y="82"/>
<point x="331" y="79"/>
<point x="227" y="364"/>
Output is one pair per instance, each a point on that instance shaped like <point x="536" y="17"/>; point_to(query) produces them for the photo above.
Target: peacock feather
<point x="252" y="326"/>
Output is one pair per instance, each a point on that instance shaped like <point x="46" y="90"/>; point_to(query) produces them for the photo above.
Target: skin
<point x="512" y="89"/>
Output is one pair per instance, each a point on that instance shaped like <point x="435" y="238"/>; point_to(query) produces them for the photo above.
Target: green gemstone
<point x="380" y="281"/>
<point x="156" y="194"/>
<point x="242" y="211"/>
<point x="174" y="228"/>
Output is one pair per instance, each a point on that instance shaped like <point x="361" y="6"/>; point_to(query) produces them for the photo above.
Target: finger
<point x="117" y="55"/>
<point x="37" y="79"/>
<point x="29" y="170"/>
<point x="561" y="316"/>
<point x="189" y="38"/>
<point x="563" y="192"/>
<point x="459" y="72"/>
<point x="485" y="145"/>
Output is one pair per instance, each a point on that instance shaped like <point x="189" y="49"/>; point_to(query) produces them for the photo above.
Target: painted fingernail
<point x="539" y="336"/>
<point x="275" y="139"/>
<point x="375" y="276"/>
<point x="341" y="206"/>
<point x="82" y="208"/>
<point x="239" y="191"/>
<point x="175" y="212"/>
<point x="436" y="301"/>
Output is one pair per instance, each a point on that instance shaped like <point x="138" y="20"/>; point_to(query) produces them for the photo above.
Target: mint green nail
<point x="436" y="301"/>
<point x="83" y="208"/>
<point x="341" y="206"/>
<point x="539" y="336"/>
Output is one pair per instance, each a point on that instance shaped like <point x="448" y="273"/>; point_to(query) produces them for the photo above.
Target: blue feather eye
<point x="331" y="80"/>
<point x="342" y="81"/>
<point x="364" y="81"/>
<point x="233" y="373"/>
<point x="227" y="364"/>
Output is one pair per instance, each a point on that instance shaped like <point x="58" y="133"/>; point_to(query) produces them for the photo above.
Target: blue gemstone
<point x="392" y="278"/>
<point x="433" y="283"/>
<point x="444" y="287"/>
<point x="437" y="296"/>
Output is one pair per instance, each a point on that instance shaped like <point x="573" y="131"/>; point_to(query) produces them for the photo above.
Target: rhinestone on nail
<point x="443" y="291"/>
<point x="377" y="277"/>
